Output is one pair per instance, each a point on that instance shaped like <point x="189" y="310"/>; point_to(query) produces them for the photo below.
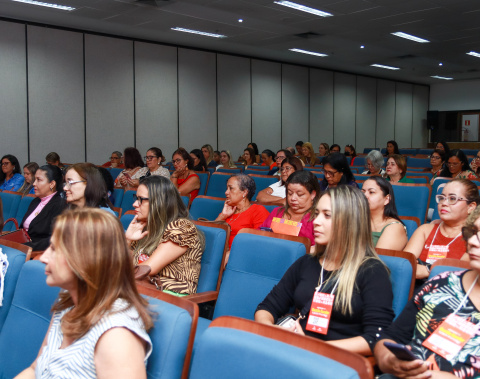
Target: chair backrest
<point x="437" y="188"/>
<point x="16" y="259"/>
<point x="411" y="223"/>
<point x="10" y="201"/>
<point x="127" y="201"/>
<point x="448" y="264"/>
<point x="217" y="185"/>
<point x="403" y="268"/>
<point x="267" y="206"/>
<point x="204" y="177"/>
<point x="22" y="209"/>
<point x="359" y="161"/>
<point x="172" y="335"/>
<point x="236" y="348"/>
<point x="418" y="162"/>
<point x="27" y="320"/>
<point x="409" y="174"/>
<point x="118" y="192"/>
<point x="230" y="170"/>
<point x="408" y="151"/>
<point x="186" y="200"/>
<point x="423" y="179"/>
<point x="257" y="262"/>
<point x="425" y="151"/>
<point x="127" y="218"/>
<point x="262" y="182"/>
<point x="216" y="245"/>
<point x="115" y="171"/>
<point x="207" y="207"/>
<point x="412" y="199"/>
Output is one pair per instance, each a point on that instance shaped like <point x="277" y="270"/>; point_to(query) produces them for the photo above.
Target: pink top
<point x="305" y="231"/>
<point x="43" y="201"/>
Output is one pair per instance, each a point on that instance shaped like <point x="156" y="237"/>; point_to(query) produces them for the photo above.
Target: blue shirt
<point x="13" y="184"/>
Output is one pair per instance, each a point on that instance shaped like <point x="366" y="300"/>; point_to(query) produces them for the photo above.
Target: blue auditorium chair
<point x="418" y="162"/>
<point x="204" y="177"/>
<point x="21" y="210"/>
<point x="207" y="207"/>
<point x="412" y="199"/>
<point x="448" y="264"/>
<point x="262" y="182"/>
<point x="217" y="185"/>
<point x="10" y="201"/>
<point x="127" y="201"/>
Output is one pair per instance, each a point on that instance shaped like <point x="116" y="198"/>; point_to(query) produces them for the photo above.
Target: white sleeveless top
<point x="77" y="360"/>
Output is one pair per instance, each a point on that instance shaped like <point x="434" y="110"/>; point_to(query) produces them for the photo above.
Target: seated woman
<point x="115" y="160"/>
<point x="47" y="205"/>
<point x="450" y="295"/>
<point x="275" y="194"/>
<point x="337" y="172"/>
<point x="388" y="231"/>
<point x="238" y="211"/>
<point x="249" y="157"/>
<point x="208" y="154"/>
<point x="29" y="171"/>
<point x="133" y="163"/>
<point x="153" y="159"/>
<point x="279" y="158"/>
<point x="437" y="161"/>
<point x="54" y="159"/>
<point x="442" y="145"/>
<point x="392" y="148"/>
<point x="199" y="163"/>
<point x="350" y="151"/>
<point x="85" y="187"/>
<point x="431" y="242"/>
<point x="299" y="148"/>
<point x="457" y="167"/>
<point x="184" y="178"/>
<point x="308" y="155"/>
<point x="323" y="149"/>
<point x="303" y="192"/>
<point x="216" y="158"/>
<point x="162" y="237"/>
<point x="335" y="148"/>
<point x="11" y="178"/>
<point x="226" y="160"/>
<point x="397" y="169"/>
<point x="475" y="164"/>
<point x="100" y="322"/>
<point x="345" y="270"/>
<point x="374" y="162"/>
<point x="254" y="146"/>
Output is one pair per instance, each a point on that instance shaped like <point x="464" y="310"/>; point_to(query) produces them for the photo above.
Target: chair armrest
<point x="35" y="255"/>
<point x="202" y="297"/>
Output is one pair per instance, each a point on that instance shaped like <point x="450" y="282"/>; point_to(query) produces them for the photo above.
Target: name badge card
<point x="320" y="312"/>
<point x="449" y="338"/>
<point x="434" y="256"/>
<point x="283" y="226"/>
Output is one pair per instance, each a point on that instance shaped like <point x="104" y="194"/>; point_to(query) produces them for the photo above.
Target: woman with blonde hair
<point x="162" y="237"/>
<point x="324" y="149"/>
<point x="29" y="171"/>
<point x="208" y="153"/>
<point x="99" y="324"/>
<point x="344" y="276"/>
<point x="226" y="160"/>
<point x="308" y="154"/>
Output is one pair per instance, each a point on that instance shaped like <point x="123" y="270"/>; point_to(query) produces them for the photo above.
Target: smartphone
<point x="126" y="175"/>
<point x="287" y="322"/>
<point x="266" y="229"/>
<point x="400" y="351"/>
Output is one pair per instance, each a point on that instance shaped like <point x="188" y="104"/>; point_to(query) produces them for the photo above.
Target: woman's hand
<point x="133" y="182"/>
<point x="123" y="180"/>
<point x="135" y="230"/>
<point x="228" y="210"/>
<point x="298" y="328"/>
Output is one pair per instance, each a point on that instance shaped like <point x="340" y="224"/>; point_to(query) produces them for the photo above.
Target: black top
<point x="371" y="300"/>
<point x="40" y="229"/>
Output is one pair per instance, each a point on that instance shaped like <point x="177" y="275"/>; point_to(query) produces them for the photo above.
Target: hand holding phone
<point x="400" y="351"/>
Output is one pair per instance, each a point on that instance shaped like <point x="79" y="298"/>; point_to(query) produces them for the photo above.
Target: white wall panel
<point x="234" y="104"/>
<point x="345" y="95"/>
<point x="295" y="105"/>
<point x="321" y="107"/>
<point x="156" y="100"/>
<point x="455" y="95"/>
<point x="56" y="94"/>
<point x="403" y="114"/>
<point x="385" y="112"/>
<point x="420" y="108"/>
<point x="197" y="98"/>
<point x="109" y="96"/>
<point x="366" y="110"/>
<point x="13" y="91"/>
<point x="266" y="104"/>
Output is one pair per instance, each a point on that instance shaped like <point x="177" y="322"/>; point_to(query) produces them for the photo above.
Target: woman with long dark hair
<point x="457" y="167"/>
<point x="184" y="177"/>
<point x="337" y="172"/>
<point x="11" y="178"/>
<point x="133" y="163"/>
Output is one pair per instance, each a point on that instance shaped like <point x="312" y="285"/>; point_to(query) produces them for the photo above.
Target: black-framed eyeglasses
<point x="470" y="231"/>
<point x="329" y="173"/>
<point x="149" y="157"/>
<point x="450" y="199"/>
<point x="139" y="199"/>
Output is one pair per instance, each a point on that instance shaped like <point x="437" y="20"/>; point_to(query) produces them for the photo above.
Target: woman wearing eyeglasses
<point x="434" y="241"/>
<point x="437" y="161"/>
<point x="374" y="162"/>
<point x="184" y="178"/>
<point x="162" y="237"/>
<point x="275" y="194"/>
<point x="337" y="172"/>
<point x="47" y="205"/>
<point x="115" y="160"/>
<point x="153" y="160"/>
<point x="85" y="187"/>
<point x="11" y="178"/>
<point x="457" y="167"/>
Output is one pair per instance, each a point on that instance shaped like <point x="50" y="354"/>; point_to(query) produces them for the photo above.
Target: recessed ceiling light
<point x="441" y="77"/>
<point x="383" y="66"/>
<point x="240" y="20"/>
<point x="362" y="47"/>
<point x="199" y="32"/>
<point x="474" y="54"/>
<point x="48" y="5"/>
<point x="309" y="52"/>
<point x="410" y="37"/>
<point x="440" y="64"/>
<point x="303" y="8"/>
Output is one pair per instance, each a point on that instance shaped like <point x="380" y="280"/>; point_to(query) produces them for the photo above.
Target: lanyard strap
<point x="466" y="296"/>
<point x="320" y="280"/>
<point x="435" y="236"/>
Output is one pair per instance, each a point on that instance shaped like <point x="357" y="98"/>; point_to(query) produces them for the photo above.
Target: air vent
<point x="408" y="56"/>
<point x="308" y="35"/>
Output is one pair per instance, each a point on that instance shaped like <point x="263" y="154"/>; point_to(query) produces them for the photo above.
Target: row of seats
<point x="416" y="151"/>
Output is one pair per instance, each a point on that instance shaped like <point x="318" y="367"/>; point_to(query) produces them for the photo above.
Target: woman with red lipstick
<point x="431" y="242"/>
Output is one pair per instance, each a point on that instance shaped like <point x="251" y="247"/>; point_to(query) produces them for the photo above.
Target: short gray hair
<point x="246" y="182"/>
<point x="118" y="153"/>
<point x="376" y="158"/>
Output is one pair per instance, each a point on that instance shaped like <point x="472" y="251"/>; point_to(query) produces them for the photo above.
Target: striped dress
<point x="181" y="275"/>
<point x="77" y="360"/>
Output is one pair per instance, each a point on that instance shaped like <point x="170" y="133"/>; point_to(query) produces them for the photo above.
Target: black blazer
<point x="40" y="229"/>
